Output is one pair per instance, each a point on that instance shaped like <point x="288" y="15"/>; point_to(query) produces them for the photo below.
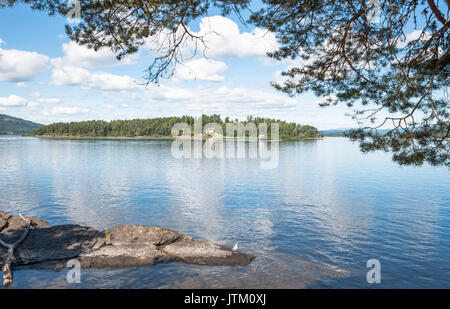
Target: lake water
<point x="314" y="221"/>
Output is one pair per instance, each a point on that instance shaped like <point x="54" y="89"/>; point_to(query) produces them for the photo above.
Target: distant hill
<point x="341" y="132"/>
<point x="13" y="125"/>
<point x="335" y="132"/>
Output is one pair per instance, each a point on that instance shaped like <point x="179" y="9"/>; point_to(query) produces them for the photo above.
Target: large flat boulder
<point x="136" y="245"/>
<point x="120" y="246"/>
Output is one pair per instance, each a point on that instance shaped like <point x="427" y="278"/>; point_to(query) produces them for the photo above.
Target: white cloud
<point x="240" y="101"/>
<point x="279" y="77"/>
<point x="201" y="69"/>
<point x="412" y="36"/>
<point x="168" y="93"/>
<point x="12" y="101"/>
<point x="107" y="106"/>
<point x="49" y="100"/>
<point x="108" y="81"/>
<point x="19" y="65"/>
<point x="66" y="110"/>
<point x="35" y="94"/>
<point x="69" y="75"/>
<point x="76" y="76"/>
<point x="33" y="104"/>
<point x="224" y="39"/>
<point x="21" y="85"/>
<point x="223" y="100"/>
<point x="81" y="56"/>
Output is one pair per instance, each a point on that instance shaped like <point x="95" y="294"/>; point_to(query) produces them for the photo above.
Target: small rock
<point x="3" y="220"/>
<point x="193" y="251"/>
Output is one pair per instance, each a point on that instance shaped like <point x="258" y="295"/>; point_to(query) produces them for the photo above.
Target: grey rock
<point x="14" y="226"/>
<point x="123" y="256"/>
<point x="56" y="243"/>
<point x="3" y="220"/>
<point x="193" y="251"/>
<point x="141" y="234"/>
<point x="47" y="247"/>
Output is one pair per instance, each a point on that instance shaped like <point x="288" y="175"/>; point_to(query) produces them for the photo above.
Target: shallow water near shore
<point x="313" y="221"/>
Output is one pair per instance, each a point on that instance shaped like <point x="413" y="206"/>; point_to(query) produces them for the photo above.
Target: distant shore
<point x="158" y="137"/>
<point x="103" y="137"/>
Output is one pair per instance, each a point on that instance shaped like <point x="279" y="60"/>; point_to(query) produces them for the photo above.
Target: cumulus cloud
<point x="224" y="39"/>
<point x="107" y="81"/>
<point x="412" y="36"/>
<point x="33" y="105"/>
<point x="168" y="93"/>
<point x="240" y="100"/>
<point x="81" y="56"/>
<point x="224" y="100"/>
<point x="20" y="66"/>
<point x="21" y="85"/>
<point x="201" y="69"/>
<point x="49" y="100"/>
<point x="35" y="94"/>
<point x="69" y="76"/>
<point x="12" y="101"/>
<point x="76" y="76"/>
<point x="66" y="110"/>
<point x="71" y="69"/>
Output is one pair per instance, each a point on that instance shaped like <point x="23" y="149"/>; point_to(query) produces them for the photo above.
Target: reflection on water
<point x="312" y="222"/>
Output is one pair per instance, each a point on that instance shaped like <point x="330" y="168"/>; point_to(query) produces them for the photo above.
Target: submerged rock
<point x="121" y="246"/>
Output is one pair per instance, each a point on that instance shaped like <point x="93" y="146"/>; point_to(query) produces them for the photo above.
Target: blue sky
<point x="45" y="78"/>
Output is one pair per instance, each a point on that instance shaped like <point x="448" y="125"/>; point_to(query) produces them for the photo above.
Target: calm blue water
<point x="312" y="222"/>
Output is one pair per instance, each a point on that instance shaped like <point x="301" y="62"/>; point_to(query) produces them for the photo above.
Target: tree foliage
<point x="359" y="53"/>
<point x="125" y="25"/>
<point x="386" y="59"/>
<point x="162" y="127"/>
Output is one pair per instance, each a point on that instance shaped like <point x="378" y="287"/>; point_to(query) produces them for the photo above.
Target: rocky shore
<point x="48" y="246"/>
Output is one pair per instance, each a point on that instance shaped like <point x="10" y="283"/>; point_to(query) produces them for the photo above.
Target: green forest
<point x="162" y="127"/>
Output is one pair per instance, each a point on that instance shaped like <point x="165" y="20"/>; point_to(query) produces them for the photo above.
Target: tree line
<point x="162" y="127"/>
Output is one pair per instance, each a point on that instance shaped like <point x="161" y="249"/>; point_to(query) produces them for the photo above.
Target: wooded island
<point x="162" y="127"/>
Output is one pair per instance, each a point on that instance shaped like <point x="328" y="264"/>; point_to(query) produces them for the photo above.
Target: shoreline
<point x="161" y="137"/>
